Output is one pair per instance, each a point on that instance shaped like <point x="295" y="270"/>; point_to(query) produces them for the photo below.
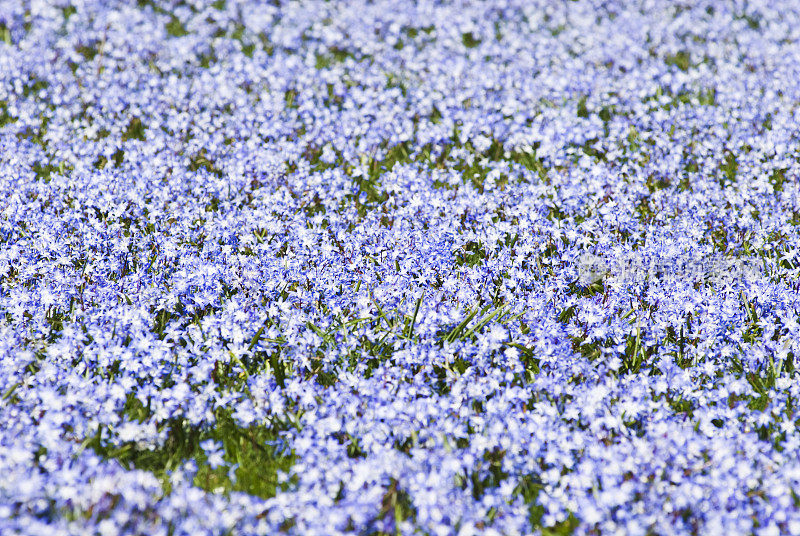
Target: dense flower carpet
<point x="389" y="267"/>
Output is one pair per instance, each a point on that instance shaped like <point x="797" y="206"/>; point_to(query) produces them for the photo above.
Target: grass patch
<point x="253" y="454"/>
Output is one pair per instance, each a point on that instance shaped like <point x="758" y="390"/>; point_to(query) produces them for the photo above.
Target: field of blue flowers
<point x="383" y="267"/>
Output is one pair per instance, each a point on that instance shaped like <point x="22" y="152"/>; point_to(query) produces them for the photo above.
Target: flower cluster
<point x="388" y="267"/>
